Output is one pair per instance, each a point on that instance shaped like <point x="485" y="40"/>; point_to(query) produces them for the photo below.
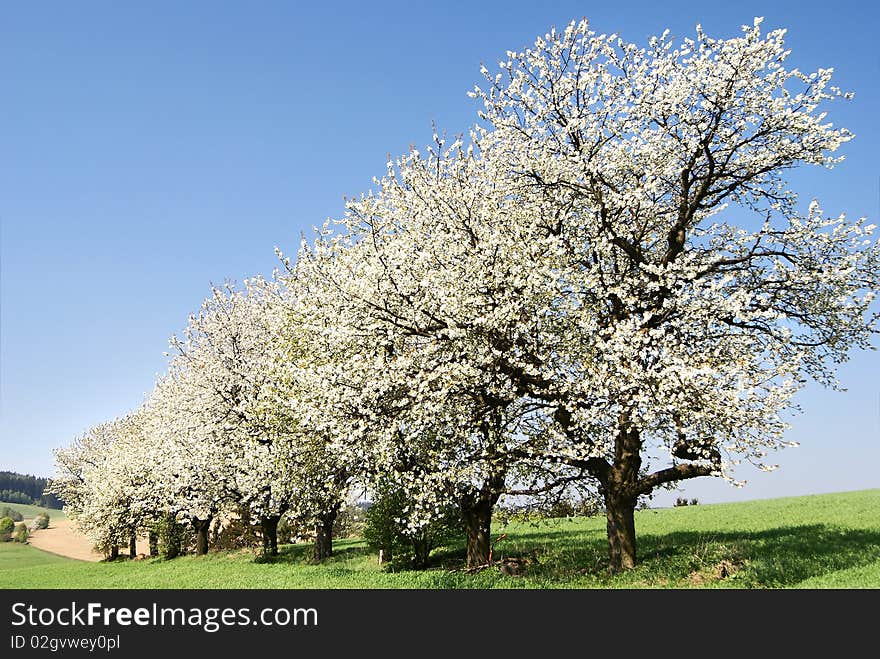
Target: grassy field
<point x="29" y="512"/>
<point x="16" y="557"/>
<point x="822" y="541"/>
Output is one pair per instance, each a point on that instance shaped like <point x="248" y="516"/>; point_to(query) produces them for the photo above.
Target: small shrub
<point x="7" y="526"/>
<point x="41" y="521"/>
<point x="174" y="537"/>
<point x="237" y="532"/>
<point x="11" y="513"/>
<point x="21" y="533"/>
<point x="562" y="507"/>
<point x="694" y="502"/>
<point x="292" y="530"/>
<point x="381" y="531"/>
<point x="384" y="530"/>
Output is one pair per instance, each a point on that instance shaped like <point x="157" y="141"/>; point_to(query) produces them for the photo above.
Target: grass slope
<point x="815" y="541"/>
<point x="16" y="558"/>
<point x="29" y="512"/>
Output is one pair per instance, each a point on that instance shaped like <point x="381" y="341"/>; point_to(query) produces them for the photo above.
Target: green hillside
<point x="16" y="559"/>
<point x="821" y="541"/>
<point x="29" y="512"/>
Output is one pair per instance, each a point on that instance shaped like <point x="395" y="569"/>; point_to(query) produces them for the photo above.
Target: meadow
<point x="29" y="512"/>
<point x="818" y="541"/>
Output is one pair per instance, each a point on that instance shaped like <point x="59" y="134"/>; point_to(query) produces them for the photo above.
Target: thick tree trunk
<point x="620" y="492"/>
<point x="154" y="543"/>
<point x="621" y="532"/>
<point x="132" y="545"/>
<point x="269" y="525"/>
<point x="476" y="511"/>
<point x="201" y="527"/>
<point x="478" y="524"/>
<point x="114" y="553"/>
<point x="324" y="534"/>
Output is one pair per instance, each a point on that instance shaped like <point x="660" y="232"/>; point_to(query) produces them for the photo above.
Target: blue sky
<point x="148" y="151"/>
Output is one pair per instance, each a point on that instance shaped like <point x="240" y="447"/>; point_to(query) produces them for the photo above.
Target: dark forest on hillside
<point x="27" y="489"/>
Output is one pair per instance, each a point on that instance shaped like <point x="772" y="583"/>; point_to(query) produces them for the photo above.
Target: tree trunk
<point x="324" y="534"/>
<point x="476" y="511"/>
<point x="201" y="526"/>
<point x="421" y="550"/>
<point x="132" y="545"/>
<point x="478" y="524"/>
<point x="619" y="490"/>
<point x="154" y="543"/>
<point x="621" y="532"/>
<point x="269" y="526"/>
<point x="114" y="553"/>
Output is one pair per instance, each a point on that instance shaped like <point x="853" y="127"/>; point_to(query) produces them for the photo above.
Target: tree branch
<point x="679" y="472"/>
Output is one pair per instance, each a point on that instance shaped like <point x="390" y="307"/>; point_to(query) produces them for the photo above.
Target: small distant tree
<point x="387" y="529"/>
<point x="21" y="533"/>
<point x="173" y="537"/>
<point x="11" y="513"/>
<point x="7" y="526"/>
<point x="103" y="478"/>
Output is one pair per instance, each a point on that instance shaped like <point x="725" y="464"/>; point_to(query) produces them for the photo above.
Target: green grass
<point x="15" y="558"/>
<point x="822" y="541"/>
<point x="29" y="512"/>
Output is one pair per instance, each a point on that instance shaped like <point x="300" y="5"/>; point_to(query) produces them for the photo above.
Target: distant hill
<point x="27" y="489"/>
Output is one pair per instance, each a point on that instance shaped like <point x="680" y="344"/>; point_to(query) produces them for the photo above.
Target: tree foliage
<point x="7" y="526"/>
<point x="386" y="529"/>
<point x="11" y="513"/>
<point x="21" y="533"/>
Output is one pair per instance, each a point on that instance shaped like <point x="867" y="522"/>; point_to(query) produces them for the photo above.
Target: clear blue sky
<point x="147" y="151"/>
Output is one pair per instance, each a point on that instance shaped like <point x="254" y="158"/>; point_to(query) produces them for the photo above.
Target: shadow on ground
<point x="778" y="557"/>
<point x="772" y="558"/>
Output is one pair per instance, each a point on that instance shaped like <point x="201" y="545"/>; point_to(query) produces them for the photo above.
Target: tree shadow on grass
<point x="302" y="553"/>
<point x="773" y="558"/>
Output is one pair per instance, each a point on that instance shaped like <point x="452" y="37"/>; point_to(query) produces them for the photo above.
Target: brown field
<point x="64" y="539"/>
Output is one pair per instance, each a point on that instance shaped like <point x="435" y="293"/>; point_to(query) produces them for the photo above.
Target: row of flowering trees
<point x="608" y="283"/>
<point x="224" y="430"/>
